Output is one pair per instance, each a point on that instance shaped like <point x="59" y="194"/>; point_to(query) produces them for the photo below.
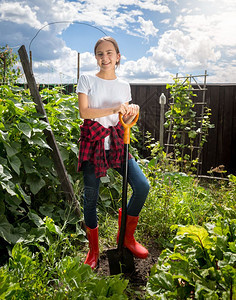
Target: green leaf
<point x="161" y="282"/>
<point x="8" y="189"/>
<point x="25" y="128"/>
<point x="36" y="140"/>
<point x="50" y="225"/>
<point x="44" y="161"/>
<point x="3" y="175"/>
<point x="3" y="135"/>
<point x="15" y="163"/>
<point x="197" y="234"/>
<point x="105" y="179"/>
<point x="6" y="230"/>
<point x="28" y="166"/>
<point x="23" y="195"/>
<point x="64" y="153"/>
<point x="12" y="148"/>
<point x="35" y="183"/>
<point x="36" y="219"/>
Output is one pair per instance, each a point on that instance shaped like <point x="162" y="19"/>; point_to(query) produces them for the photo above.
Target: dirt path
<point x="138" y="279"/>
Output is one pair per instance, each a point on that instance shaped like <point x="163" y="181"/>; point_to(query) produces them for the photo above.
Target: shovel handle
<point x="127" y="127"/>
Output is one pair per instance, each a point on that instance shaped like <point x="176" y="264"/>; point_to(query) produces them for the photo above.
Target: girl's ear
<point x="118" y="58"/>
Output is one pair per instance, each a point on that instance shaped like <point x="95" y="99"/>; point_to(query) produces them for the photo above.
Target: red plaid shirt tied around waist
<point x="92" y="146"/>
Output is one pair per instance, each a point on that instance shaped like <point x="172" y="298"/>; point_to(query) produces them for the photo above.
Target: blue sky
<point x="157" y="38"/>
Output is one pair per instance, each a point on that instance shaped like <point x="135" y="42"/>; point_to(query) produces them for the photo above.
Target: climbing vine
<point x="189" y="132"/>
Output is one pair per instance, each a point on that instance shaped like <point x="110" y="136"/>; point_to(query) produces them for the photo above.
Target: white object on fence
<point x="162" y="101"/>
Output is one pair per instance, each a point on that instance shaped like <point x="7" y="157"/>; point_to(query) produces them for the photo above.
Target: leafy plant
<point x="28" y="178"/>
<point x="8" y="73"/>
<point x="188" y="134"/>
<point x="201" y="266"/>
<point x="50" y="273"/>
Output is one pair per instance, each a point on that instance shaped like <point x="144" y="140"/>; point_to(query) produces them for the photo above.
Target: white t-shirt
<point x="103" y="94"/>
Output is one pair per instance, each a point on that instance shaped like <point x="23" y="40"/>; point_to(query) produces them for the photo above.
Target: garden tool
<point x="121" y="259"/>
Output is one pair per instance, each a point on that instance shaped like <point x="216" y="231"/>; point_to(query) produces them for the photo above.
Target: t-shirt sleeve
<point x="129" y="97"/>
<point x="83" y="85"/>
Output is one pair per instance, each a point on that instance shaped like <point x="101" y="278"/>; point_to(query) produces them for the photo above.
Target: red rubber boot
<point x="129" y="241"/>
<point x="93" y="254"/>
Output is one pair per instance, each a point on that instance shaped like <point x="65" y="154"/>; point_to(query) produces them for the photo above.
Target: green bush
<point x="201" y="266"/>
<point x="28" y="181"/>
<point x="52" y="271"/>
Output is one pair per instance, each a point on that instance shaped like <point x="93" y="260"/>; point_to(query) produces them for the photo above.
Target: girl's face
<point x="106" y="56"/>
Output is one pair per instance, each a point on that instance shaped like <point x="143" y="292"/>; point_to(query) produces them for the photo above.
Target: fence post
<point x="56" y="155"/>
<point x="162" y="101"/>
<point x="78" y="66"/>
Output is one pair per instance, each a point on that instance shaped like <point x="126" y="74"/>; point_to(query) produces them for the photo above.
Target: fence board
<point x="233" y="148"/>
<point x="209" y="155"/>
<point x="221" y="99"/>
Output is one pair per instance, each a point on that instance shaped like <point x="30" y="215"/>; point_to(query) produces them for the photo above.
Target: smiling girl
<point x="101" y="98"/>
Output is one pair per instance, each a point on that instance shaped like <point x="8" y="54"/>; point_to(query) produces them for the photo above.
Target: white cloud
<point x="153" y="6"/>
<point x="147" y="28"/>
<point x="203" y="36"/>
<point x="165" y="21"/>
<point x="221" y="28"/>
<point x="178" y="50"/>
<point x="19" y="13"/>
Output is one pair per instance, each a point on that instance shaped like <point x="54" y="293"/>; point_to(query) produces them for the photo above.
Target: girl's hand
<point x="132" y="110"/>
<point x="129" y="112"/>
<point x="123" y="109"/>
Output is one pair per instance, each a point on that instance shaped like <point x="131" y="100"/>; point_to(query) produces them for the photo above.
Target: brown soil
<point x="139" y="278"/>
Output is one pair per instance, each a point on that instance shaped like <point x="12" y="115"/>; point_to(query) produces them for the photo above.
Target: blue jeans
<point x="136" y="179"/>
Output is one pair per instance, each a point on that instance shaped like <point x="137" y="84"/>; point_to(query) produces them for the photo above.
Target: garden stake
<point x="121" y="260"/>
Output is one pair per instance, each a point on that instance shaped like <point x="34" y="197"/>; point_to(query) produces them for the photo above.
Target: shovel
<point x="121" y="259"/>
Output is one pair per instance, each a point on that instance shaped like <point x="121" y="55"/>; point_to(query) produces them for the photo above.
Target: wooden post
<point x="162" y="101"/>
<point x="56" y="156"/>
<point x="78" y="66"/>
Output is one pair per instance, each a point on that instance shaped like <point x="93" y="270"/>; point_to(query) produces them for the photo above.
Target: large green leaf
<point x="15" y="163"/>
<point x="36" y="140"/>
<point x="160" y="283"/>
<point x="25" y="128"/>
<point x="6" y="230"/>
<point x="4" y="176"/>
<point x="197" y="234"/>
<point x="12" y="148"/>
<point x="28" y="165"/>
<point x="35" y="183"/>
<point x="8" y="188"/>
<point x="36" y="219"/>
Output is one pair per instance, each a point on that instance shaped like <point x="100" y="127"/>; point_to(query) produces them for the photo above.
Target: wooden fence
<point x="220" y="148"/>
<point x="220" y="98"/>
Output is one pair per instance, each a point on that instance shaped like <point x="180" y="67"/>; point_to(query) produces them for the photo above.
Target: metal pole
<point x="78" y="66"/>
<point x="31" y="63"/>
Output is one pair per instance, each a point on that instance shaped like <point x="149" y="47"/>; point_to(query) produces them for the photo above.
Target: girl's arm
<point x="129" y="111"/>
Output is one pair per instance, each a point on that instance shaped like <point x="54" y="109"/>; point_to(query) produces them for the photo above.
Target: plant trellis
<point x="185" y="132"/>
